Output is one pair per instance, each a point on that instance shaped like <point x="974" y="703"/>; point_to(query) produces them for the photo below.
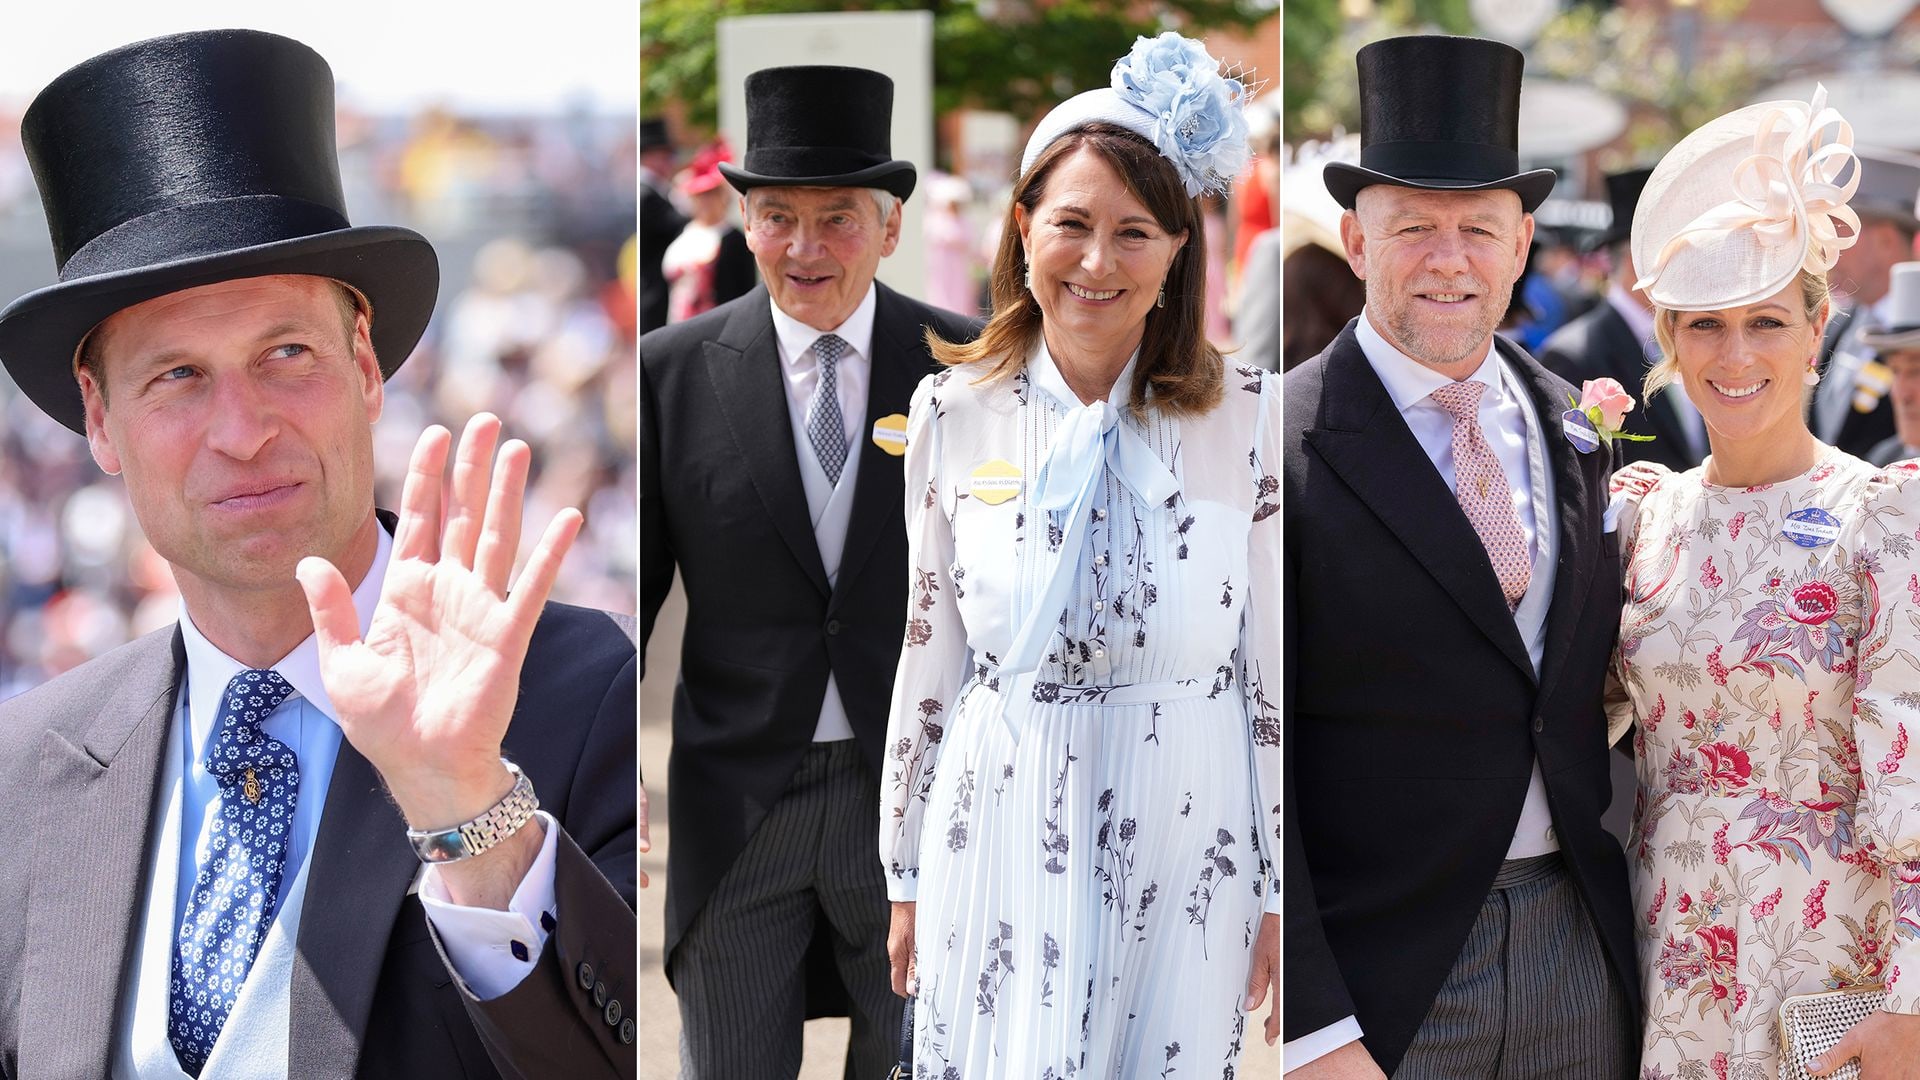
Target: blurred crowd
<point x="689" y="222"/>
<point x="533" y="222"/>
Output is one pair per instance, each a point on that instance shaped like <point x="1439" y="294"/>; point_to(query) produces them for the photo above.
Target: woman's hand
<point x="1887" y="1044"/>
<point x="1265" y="974"/>
<point x="900" y="948"/>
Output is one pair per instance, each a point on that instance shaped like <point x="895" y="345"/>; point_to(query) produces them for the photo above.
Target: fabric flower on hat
<point x="1197" y="120"/>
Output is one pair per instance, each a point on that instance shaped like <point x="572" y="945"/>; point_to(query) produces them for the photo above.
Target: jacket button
<point x="599" y="994"/>
<point x="833" y="627"/>
<point x="613" y="1013"/>
<point x="1539" y="723"/>
<point x="585" y="974"/>
<point x="626" y="1031"/>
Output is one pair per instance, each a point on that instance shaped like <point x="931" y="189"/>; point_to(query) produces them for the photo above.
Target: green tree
<point x="1322" y="89"/>
<point x="1013" y="55"/>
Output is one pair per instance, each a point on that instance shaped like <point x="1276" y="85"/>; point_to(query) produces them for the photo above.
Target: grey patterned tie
<point x="825" y="429"/>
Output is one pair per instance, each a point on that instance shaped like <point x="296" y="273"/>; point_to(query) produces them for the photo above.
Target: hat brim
<point x="394" y="268"/>
<point x="897" y="177"/>
<point x="1345" y="181"/>
<point x="1895" y="340"/>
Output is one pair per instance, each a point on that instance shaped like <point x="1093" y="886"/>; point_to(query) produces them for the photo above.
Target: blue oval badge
<point x="1580" y="431"/>
<point x="1811" y="528"/>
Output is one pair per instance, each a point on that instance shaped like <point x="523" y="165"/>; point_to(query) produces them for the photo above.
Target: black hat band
<point x="200" y="229"/>
<point x="1441" y="160"/>
<point x="802" y="161"/>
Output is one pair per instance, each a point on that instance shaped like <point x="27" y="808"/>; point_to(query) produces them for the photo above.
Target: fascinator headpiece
<point x="1741" y="206"/>
<point x="1172" y="93"/>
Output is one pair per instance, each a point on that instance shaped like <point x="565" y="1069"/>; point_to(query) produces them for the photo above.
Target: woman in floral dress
<point x="1769" y="655"/>
<point x="1082" y="786"/>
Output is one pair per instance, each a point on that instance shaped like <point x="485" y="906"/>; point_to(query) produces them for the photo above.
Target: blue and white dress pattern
<point x="1081" y="789"/>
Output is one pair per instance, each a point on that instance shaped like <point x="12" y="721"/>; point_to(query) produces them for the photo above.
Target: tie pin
<point x="250" y="786"/>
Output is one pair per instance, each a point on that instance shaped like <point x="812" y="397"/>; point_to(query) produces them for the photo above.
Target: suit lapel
<point x="91" y="833"/>
<point x="878" y="494"/>
<point x="1627" y="355"/>
<point x="1362" y="437"/>
<point x="1576" y="502"/>
<point x="361" y="867"/>
<point x="744" y="366"/>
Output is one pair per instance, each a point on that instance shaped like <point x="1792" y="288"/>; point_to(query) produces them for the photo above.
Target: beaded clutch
<point x="1811" y="1025"/>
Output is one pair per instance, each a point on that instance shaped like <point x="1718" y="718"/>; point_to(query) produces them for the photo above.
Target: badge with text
<point x="1811" y="528"/>
<point x="890" y="434"/>
<point x="996" y="481"/>
<point x="1580" y="431"/>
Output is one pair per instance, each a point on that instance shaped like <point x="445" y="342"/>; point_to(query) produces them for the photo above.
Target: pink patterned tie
<point x="1481" y="486"/>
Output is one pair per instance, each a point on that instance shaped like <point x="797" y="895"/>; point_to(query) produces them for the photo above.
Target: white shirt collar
<point x="797" y="338"/>
<point x="1044" y="373"/>
<point x="1638" y="319"/>
<point x="1409" y="382"/>
<point x="209" y="669"/>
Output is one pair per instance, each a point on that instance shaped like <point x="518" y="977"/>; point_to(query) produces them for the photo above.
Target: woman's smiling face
<point x="1745" y="367"/>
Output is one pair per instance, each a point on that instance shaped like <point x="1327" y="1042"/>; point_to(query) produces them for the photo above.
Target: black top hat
<point x="653" y="132"/>
<point x="185" y="161"/>
<point x="1441" y="113"/>
<point x="1623" y="196"/>
<point x="820" y="126"/>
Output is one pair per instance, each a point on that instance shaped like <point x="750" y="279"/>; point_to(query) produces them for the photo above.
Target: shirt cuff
<point x="904" y="888"/>
<point x="492" y="950"/>
<point x="1273" y="898"/>
<point x="1319" y="1044"/>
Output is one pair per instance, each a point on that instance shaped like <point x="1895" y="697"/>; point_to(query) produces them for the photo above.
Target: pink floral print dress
<point x="1771" y="689"/>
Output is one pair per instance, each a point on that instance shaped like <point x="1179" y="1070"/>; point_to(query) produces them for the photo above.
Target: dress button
<point x="1099" y="654"/>
<point x="1099" y="515"/>
<point x="1099" y="605"/>
<point x="612" y="1014"/>
<point x="626" y="1031"/>
<point x="1099" y="560"/>
<point x="585" y="974"/>
<point x="599" y="994"/>
<point x="833" y="627"/>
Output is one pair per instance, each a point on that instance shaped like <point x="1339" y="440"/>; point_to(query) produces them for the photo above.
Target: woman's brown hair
<point x="1176" y="360"/>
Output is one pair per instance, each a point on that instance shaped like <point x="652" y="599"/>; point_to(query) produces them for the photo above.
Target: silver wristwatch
<point x="501" y="820"/>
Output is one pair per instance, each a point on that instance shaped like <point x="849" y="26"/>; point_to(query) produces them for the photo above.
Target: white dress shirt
<point x="829" y="504"/>
<point x="478" y="940"/>
<point x="1518" y="440"/>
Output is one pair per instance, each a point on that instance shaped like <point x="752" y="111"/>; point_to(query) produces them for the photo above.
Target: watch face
<point x="445" y="845"/>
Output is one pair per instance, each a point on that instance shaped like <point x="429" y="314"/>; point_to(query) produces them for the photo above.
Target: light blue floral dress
<point x="1081" y="790"/>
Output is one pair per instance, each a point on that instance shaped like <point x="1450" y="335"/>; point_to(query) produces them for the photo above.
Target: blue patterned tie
<point x="228" y="915"/>
<point x="825" y="429"/>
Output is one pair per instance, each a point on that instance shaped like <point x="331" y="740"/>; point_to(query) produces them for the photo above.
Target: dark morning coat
<point x="1413" y="716"/>
<point x="1600" y="345"/>
<point x="721" y="503"/>
<point x="372" y="995"/>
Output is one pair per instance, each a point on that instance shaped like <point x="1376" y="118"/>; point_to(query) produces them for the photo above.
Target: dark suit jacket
<point x="721" y="501"/>
<point x="1413" y="717"/>
<point x="1600" y="345"/>
<point x="372" y="995"/>
<point x="659" y="224"/>
<point x="1860" y="432"/>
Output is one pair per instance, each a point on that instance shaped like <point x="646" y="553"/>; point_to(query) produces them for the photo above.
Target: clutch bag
<point x="1811" y="1024"/>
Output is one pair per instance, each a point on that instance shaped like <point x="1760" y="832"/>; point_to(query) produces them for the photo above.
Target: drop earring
<point x="1161" y="300"/>
<point x="1812" y="376"/>
<point x="1029" y="277"/>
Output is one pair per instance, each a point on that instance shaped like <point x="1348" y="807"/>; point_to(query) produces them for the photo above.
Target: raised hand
<point x="427" y="695"/>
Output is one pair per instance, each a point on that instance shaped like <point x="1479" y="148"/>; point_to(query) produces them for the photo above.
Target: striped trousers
<point x="739" y="971"/>
<point x="1531" y="995"/>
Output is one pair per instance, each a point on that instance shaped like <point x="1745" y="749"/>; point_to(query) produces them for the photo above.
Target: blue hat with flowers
<point x="1172" y="93"/>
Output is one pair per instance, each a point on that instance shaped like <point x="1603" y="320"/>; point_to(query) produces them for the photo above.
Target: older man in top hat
<point x="770" y="478"/>
<point x="1851" y="409"/>
<point x="1615" y="340"/>
<point x="283" y="837"/>
<point x="1453" y="906"/>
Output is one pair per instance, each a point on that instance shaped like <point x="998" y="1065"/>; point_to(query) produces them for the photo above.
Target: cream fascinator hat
<point x="1744" y="204"/>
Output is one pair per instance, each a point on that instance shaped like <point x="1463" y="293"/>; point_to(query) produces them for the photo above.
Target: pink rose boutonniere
<point x="1595" y="419"/>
